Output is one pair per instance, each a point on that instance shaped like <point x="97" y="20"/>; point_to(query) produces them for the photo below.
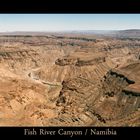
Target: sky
<point x="62" y="22"/>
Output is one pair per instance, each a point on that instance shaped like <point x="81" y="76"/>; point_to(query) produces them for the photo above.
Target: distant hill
<point x="130" y="33"/>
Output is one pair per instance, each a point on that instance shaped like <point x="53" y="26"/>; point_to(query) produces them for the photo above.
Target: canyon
<point x="70" y="79"/>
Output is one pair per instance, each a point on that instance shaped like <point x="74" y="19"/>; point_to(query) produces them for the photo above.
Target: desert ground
<point x="70" y="79"/>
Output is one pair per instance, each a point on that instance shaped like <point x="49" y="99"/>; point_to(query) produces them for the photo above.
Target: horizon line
<point x="70" y="30"/>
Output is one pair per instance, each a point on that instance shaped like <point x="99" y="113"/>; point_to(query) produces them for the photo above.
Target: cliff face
<point x="78" y="62"/>
<point x="69" y="81"/>
<point x="98" y="104"/>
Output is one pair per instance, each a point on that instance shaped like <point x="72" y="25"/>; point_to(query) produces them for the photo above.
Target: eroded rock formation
<point x="55" y="80"/>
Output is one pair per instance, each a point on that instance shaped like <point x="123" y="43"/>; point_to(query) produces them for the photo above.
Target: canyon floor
<point x="69" y="80"/>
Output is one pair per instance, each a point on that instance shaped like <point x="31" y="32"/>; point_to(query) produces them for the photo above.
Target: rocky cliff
<point x="69" y="81"/>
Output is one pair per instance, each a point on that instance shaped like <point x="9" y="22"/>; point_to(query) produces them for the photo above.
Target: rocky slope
<point x="69" y="81"/>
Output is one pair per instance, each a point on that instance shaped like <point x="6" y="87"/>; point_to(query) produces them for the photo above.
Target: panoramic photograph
<point x="70" y="70"/>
